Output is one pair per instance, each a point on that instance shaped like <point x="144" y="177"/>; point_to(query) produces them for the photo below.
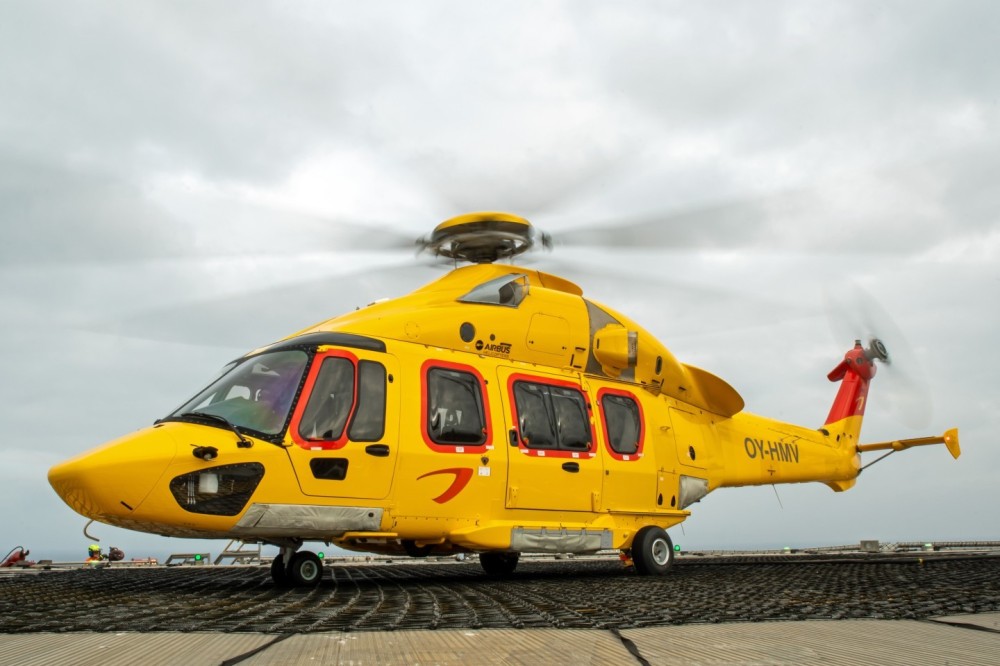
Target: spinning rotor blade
<point x="717" y="226"/>
<point x="886" y="204"/>
<point x="854" y="314"/>
<point x="252" y="318"/>
<point x="770" y="223"/>
<point x="266" y="230"/>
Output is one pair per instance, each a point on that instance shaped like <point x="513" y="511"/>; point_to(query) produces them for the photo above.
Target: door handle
<point x="378" y="450"/>
<point x="571" y="467"/>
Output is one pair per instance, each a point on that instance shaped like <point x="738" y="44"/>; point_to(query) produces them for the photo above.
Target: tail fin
<point x="843" y="423"/>
<point x="854" y="373"/>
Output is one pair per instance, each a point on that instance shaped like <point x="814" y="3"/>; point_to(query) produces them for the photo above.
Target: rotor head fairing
<point x="482" y="238"/>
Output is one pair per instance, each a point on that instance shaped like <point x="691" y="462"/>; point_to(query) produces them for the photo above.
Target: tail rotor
<point x="854" y="313"/>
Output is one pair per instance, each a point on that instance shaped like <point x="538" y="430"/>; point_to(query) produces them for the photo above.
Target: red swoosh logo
<point x="462" y="477"/>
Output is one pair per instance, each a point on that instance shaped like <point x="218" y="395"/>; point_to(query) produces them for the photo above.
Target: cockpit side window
<point x="368" y="424"/>
<point x="330" y="402"/>
<point x="507" y="290"/>
<point x="347" y="401"/>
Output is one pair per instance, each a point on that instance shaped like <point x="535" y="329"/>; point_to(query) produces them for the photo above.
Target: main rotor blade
<point x="253" y="228"/>
<point x="895" y="210"/>
<point x="254" y="318"/>
<point x="716" y="226"/>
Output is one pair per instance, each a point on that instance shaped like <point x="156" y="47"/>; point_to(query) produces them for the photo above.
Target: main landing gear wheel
<point x="306" y="568"/>
<point x="279" y="573"/>
<point x="652" y="551"/>
<point x="499" y="565"/>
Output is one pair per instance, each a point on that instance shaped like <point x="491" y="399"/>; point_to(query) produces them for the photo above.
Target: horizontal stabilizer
<point x="949" y="439"/>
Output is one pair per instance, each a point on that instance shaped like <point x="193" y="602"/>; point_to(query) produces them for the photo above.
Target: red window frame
<point x="307" y="389"/>
<point x="627" y="457"/>
<point x="487" y="445"/>
<point x="550" y="453"/>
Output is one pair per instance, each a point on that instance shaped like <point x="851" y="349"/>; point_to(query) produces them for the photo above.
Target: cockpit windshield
<point x="255" y="394"/>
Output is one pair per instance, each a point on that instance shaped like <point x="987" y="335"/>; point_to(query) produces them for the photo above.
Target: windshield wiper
<point x="244" y="443"/>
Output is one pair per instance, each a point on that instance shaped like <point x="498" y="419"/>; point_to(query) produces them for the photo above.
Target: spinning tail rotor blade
<point x="854" y="314"/>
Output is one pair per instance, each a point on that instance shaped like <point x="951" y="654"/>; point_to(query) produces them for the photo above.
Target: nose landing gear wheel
<point x="652" y="551"/>
<point x="306" y="568"/>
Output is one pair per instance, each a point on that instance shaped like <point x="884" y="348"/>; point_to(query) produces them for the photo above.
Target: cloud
<point x="54" y="214"/>
<point x="182" y="88"/>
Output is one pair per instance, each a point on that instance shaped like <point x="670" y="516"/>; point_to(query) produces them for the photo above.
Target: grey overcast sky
<point x="183" y="181"/>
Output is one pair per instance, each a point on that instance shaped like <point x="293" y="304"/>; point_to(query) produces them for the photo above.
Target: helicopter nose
<point x="112" y="480"/>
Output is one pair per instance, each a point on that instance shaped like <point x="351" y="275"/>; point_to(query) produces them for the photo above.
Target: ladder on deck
<point x="240" y="552"/>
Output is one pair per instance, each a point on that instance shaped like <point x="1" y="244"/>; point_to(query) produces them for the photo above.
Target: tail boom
<point x="760" y="451"/>
<point x="754" y="450"/>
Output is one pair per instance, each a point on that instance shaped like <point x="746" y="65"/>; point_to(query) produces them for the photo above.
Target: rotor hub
<point x="877" y="350"/>
<point x="482" y="238"/>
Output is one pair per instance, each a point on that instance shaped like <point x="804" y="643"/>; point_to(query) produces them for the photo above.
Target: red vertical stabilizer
<point x="854" y="374"/>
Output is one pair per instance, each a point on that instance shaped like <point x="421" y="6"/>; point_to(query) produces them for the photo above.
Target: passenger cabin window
<point x="508" y="290"/>
<point x="455" y="414"/>
<point x="551" y="417"/>
<point x="345" y="398"/>
<point x="622" y="423"/>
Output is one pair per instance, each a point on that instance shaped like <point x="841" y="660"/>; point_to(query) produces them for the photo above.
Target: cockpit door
<point x="343" y="438"/>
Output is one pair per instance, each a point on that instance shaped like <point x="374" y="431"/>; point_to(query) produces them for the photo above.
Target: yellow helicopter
<point x="495" y="411"/>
